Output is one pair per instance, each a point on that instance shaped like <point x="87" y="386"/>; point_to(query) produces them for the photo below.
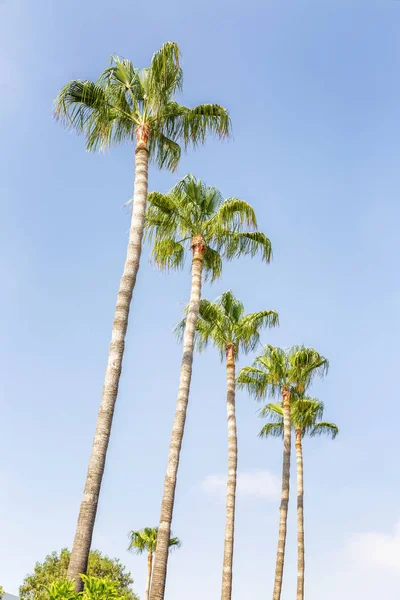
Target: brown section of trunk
<point x="148" y="580"/>
<point x="198" y="246"/>
<point x="142" y="133"/>
<point x="167" y="505"/>
<point x="88" y="508"/>
<point x="280" y="558"/>
<point x="227" y="571"/>
<point x="300" y="517"/>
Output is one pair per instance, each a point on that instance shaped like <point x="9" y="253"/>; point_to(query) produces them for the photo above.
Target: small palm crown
<point x="306" y="417"/>
<point x="145" y="540"/>
<point x="193" y="215"/>
<point x="223" y="323"/>
<point x="127" y="103"/>
<point x="278" y="369"/>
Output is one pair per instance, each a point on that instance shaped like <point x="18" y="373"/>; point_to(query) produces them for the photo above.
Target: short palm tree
<point x="130" y="104"/>
<point x="306" y="415"/>
<point x="283" y="371"/>
<point x="145" y="540"/>
<point x="223" y="323"/>
<point x="193" y="217"/>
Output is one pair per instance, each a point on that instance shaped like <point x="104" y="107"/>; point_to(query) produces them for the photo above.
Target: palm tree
<point x="128" y="104"/>
<point x="283" y="372"/>
<point x="223" y="323"/>
<point x="145" y="540"/>
<point x="305" y="417"/>
<point x="193" y="216"/>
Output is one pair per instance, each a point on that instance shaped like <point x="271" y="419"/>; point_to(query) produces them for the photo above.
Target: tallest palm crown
<point x="126" y="102"/>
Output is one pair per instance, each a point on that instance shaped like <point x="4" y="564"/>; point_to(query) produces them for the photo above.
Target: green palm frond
<point x="272" y="430"/>
<point x="212" y="264"/>
<point x="168" y="254"/>
<point x="254" y="380"/>
<point x="324" y="428"/>
<point x="232" y="214"/>
<point x="145" y="540"/>
<point x="236" y="243"/>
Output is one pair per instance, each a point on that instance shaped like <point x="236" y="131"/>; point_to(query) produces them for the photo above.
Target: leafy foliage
<point x="94" y="588"/>
<point x="145" y="540"/>
<point x="222" y="322"/>
<point x="54" y="569"/>
<point x="305" y="415"/>
<point x="292" y="368"/>
<point x="126" y="101"/>
<point x="193" y="209"/>
<point x="2" y="592"/>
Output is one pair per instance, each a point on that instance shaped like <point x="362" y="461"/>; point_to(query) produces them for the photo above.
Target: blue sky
<point x="313" y="89"/>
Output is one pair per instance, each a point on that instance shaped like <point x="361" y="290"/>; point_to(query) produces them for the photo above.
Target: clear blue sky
<point x="313" y="88"/>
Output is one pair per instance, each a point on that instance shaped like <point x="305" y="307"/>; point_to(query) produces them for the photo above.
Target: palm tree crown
<point x="127" y="102"/>
<point x="194" y="214"/>
<point x="278" y="368"/>
<point x="223" y="323"/>
<point x="306" y="415"/>
<point x="145" y="540"/>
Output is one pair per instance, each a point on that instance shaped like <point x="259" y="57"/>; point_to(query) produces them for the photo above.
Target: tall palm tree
<point x="283" y="371"/>
<point x="305" y="417"/>
<point x="145" y="540"/>
<point x="130" y="104"/>
<point x="223" y="323"/>
<point x="196" y="217"/>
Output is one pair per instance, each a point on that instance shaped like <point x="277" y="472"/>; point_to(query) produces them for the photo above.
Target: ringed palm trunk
<point x="280" y="558"/>
<point x="149" y="570"/>
<point x="167" y="504"/>
<point x="87" y="514"/>
<point x="232" y="472"/>
<point x="300" y="517"/>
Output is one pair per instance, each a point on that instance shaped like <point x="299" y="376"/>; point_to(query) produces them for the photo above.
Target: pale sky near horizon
<point x="313" y="89"/>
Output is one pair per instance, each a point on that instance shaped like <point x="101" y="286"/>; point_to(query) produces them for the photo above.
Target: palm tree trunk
<point x="300" y="517"/>
<point x="149" y="569"/>
<point x="87" y="514"/>
<point x="167" y="505"/>
<point x="226" y="593"/>
<point x="280" y="559"/>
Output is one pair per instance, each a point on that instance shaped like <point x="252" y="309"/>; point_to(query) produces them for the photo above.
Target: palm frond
<point x="271" y="430"/>
<point x="164" y="152"/>
<point x="232" y="214"/>
<point x="212" y="264"/>
<point x="274" y="411"/>
<point x="254" y="380"/>
<point x="165" y="74"/>
<point x="168" y="254"/>
<point x="324" y="428"/>
<point x="233" y="244"/>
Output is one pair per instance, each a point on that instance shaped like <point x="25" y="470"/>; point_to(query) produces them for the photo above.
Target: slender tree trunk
<point x="87" y="514"/>
<point x="167" y="505"/>
<point x="300" y="517"/>
<point x="226" y="593"/>
<point x="280" y="559"/>
<point x="149" y="570"/>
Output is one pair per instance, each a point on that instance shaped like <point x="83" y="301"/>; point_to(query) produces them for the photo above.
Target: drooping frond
<point x="145" y="540"/>
<point x="164" y="152"/>
<point x="212" y="264"/>
<point x="254" y="380"/>
<point x="324" y="428"/>
<point x="273" y="411"/>
<point x="168" y="254"/>
<point x="235" y="243"/>
<point x="232" y="214"/>
<point x="271" y="430"/>
<point x="250" y="326"/>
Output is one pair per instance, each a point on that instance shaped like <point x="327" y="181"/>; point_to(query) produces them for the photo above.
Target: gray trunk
<point x="300" y="517"/>
<point x="280" y="558"/>
<point x="167" y="505"/>
<point x="88" y="509"/>
<point x="226" y="593"/>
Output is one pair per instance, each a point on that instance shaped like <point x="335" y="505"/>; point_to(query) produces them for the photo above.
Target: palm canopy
<point x="292" y="368"/>
<point x="224" y="323"/>
<point x="193" y="210"/>
<point x="306" y="414"/>
<point x="126" y="102"/>
<point x="145" y="540"/>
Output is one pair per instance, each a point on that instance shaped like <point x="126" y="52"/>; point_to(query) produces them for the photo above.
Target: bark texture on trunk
<point x="167" y="505"/>
<point x="226" y="593"/>
<point x="280" y="558"/>
<point x="149" y="570"/>
<point x="88" y="508"/>
<point x="300" y="517"/>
